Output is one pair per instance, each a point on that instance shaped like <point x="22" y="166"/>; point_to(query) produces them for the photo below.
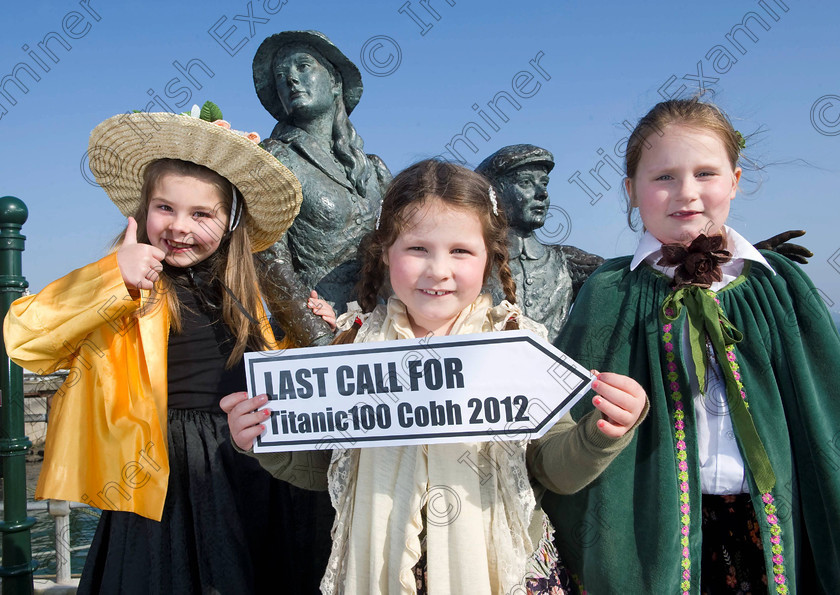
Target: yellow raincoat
<point x="107" y="437"/>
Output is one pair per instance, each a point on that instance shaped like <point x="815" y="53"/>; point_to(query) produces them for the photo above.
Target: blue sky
<point x="576" y="70"/>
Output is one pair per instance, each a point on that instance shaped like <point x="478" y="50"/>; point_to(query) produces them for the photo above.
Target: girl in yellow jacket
<point x="153" y="336"/>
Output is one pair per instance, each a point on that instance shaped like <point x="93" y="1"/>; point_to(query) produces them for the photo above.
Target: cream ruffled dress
<point x="486" y="534"/>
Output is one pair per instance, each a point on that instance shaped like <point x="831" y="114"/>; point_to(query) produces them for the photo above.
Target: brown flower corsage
<point x="698" y="263"/>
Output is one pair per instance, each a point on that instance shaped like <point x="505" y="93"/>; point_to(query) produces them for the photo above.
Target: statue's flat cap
<point x="511" y="157"/>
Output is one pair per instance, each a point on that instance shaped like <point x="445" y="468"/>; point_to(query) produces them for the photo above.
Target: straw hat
<point x="121" y="147"/>
<point x="264" y="83"/>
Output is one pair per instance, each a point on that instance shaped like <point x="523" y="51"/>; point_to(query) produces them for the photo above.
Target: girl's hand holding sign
<point x="621" y="401"/>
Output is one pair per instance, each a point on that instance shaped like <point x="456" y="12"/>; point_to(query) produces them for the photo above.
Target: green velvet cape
<point x="622" y="533"/>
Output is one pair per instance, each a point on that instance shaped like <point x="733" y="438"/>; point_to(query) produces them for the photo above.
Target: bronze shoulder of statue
<point x="383" y="174"/>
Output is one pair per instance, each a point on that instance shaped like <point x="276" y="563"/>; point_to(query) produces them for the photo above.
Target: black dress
<point x="228" y="526"/>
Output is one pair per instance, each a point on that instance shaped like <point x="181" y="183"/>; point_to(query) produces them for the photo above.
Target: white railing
<point x="37" y="390"/>
<point x="60" y="512"/>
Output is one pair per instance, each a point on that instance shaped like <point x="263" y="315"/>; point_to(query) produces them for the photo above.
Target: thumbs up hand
<point x="140" y="264"/>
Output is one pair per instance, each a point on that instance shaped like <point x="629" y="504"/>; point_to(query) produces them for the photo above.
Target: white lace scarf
<point x="483" y="528"/>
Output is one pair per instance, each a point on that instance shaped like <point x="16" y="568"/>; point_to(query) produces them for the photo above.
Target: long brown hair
<point x="232" y="262"/>
<point x="456" y="187"/>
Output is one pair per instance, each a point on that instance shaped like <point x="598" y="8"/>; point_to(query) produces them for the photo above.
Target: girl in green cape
<point x="730" y="485"/>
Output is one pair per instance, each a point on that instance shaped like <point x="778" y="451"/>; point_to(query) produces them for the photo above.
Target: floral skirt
<point x="557" y="583"/>
<point x="733" y="555"/>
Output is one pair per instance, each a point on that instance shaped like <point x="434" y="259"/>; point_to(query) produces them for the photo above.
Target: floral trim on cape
<point x="682" y="466"/>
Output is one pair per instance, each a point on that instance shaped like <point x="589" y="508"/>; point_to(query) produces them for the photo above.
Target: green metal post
<point x="18" y="564"/>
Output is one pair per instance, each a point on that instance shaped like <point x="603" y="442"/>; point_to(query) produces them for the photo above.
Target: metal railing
<point x="18" y="565"/>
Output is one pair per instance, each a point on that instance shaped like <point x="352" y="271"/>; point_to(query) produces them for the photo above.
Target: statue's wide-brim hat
<point x="121" y="148"/>
<point x="264" y="83"/>
<point x="512" y="157"/>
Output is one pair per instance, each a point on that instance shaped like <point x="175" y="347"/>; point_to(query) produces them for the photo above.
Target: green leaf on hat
<point x="210" y="112"/>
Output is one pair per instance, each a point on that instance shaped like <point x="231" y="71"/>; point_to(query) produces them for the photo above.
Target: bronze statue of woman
<point x="310" y="87"/>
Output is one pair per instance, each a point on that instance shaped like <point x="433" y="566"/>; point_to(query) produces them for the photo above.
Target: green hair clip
<point x="741" y="142"/>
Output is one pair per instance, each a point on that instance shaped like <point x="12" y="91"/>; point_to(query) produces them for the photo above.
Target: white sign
<point x="508" y="385"/>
